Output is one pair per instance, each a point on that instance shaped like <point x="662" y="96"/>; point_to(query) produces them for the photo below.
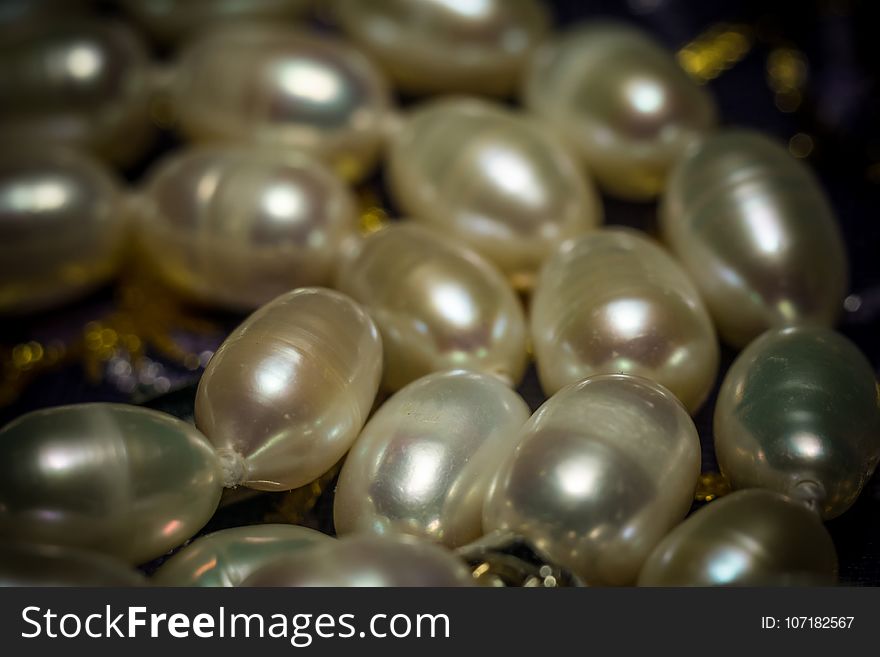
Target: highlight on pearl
<point x="491" y="178"/>
<point x="118" y="479"/>
<point x="614" y="301"/>
<point x="424" y="462"/>
<point x="77" y="82"/>
<point x="284" y="88"/>
<point x="237" y="226"/>
<point x="601" y="472"/>
<point x="28" y="564"/>
<point x="438" y="306"/>
<point x="366" y="560"/>
<point x="756" y="232"/>
<point x="74" y="199"/>
<point x="229" y="556"/>
<point x="622" y="101"/>
<point x="427" y="46"/>
<point x="748" y="538"/>
<point x="287" y="392"/>
<point x="173" y="20"/>
<point x="799" y="413"/>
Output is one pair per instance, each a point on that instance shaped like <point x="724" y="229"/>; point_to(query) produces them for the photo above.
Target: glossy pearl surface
<point x="756" y="232"/>
<point x="438" y="306"/>
<point x="429" y="47"/>
<point x="748" y="538"/>
<point x="61" y="227"/>
<point x="119" y="479"/>
<point x="424" y="462"/>
<point x="227" y="557"/>
<point x="27" y="564"/>
<point x="77" y="82"/>
<point x="367" y="561"/>
<point x="798" y="413"/>
<point x="623" y="103"/>
<point x="173" y="20"/>
<point x="236" y="227"/>
<point x="283" y="88"/>
<point x="613" y="301"/>
<point x="602" y="471"/>
<point x="493" y="179"/>
<point x="287" y="392"/>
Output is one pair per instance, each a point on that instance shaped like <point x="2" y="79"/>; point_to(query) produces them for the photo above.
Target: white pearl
<point x="600" y="473"/>
<point x="438" y="306"/>
<point x="614" y="301"/>
<point x="229" y="556"/>
<point x="757" y="234"/>
<point x="424" y="462"/>
<point x="61" y="228"/>
<point x="287" y="392"/>
<point x="748" y="538"/>
<point x="366" y="561"/>
<point x="428" y="46"/>
<point x="78" y="82"/>
<point x="493" y="179"/>
<point x="175" y="20"/>
<point x="623" y="103"/>
<point x="284" y="88"/>
<point x="30" y="564"/>
<point x="238" y="226"/>
<point x="123" y="480"/>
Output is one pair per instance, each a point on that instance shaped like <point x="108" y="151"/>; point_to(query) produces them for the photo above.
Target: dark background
<point x="838" y="115"/>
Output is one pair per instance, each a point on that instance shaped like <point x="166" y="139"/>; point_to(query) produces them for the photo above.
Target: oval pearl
<point x="602" y="471"/>
<point x="623" y="103"/>
<point x="491" y="178"/>
<point x="77" y="82"/>
<point x="27" y="564"/>
<point x="798" y="412"/>
<point x="756" y="232"/>
<point x="119" y="479"/>
<point x="70" y="198"/>
<point x="236" y="227"/>
<point x="287" y="392"/>
<point x="424" y="462"/>
<point x="438" y="306"/>
<point x="748" y="538"/>
<point x="440" y="47"/>
<point x="229" y="556"/>
<point x="174" y="20"/>
<point x="613" y="301"/>
<point x="366" y="561"/>
<point x="283" y="88"/>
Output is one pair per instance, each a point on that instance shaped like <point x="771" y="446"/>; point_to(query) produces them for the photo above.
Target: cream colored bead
<point x="748" y="538"/>
<point x="367" y="561"/>
<point x="614" y="301"/>
<point x="754" y="229"/>
<point x="123" y="480"/>
<point x="77" y="82"/>
<point x="428" y="46"/>
<point x="799" y="413"/>
<point x="493" y="179"/>
<point x="438" y="306"/>
<point x="227" y="557"/>
<point x="238" y="226"/>
<point x="61" y="227"/>
<point x="623" y="103"/>
<point x="602" y="471"/>
<point x="424" y="462"/>
<point x="174" y="20"/>
<point x="284" y="88"/>
<point x="287" y="392"/>
<point x="29" y="564"/>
